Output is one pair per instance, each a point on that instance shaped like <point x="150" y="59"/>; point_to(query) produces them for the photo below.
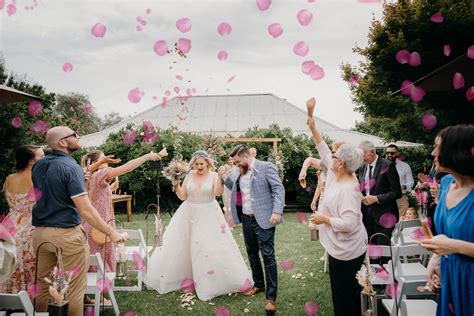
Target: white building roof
<point x="233" y="115"/>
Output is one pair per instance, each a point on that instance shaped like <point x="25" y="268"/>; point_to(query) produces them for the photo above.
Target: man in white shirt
<point x="405" y="174"/>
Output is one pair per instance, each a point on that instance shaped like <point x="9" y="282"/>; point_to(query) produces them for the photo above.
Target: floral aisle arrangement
<point x="58" y="286"/>
<point x="365" y="276"/>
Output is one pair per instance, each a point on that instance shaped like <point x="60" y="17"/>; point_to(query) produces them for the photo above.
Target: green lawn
<point x="305" y="282"/>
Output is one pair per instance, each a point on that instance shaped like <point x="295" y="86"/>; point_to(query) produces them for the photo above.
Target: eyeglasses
<point x="335" y="157"/>
<point x="72" y="135"/>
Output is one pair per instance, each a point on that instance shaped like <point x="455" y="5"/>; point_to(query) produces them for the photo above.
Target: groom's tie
<point x="237" y="198"/>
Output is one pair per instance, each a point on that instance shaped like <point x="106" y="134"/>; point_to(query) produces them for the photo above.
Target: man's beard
<point x="73" y="149"/>
<point x="244" y="169"/>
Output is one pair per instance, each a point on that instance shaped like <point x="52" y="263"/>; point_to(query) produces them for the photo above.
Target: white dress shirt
<point x="245" y="183"/>
<point x="405" y="174"/>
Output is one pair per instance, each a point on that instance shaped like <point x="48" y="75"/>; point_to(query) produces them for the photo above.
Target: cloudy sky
<point x="42" y="35"/>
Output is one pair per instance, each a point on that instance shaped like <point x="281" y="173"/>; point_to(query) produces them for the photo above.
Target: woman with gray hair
<point x="339" y="220"/>
<point x="199" y="251"/>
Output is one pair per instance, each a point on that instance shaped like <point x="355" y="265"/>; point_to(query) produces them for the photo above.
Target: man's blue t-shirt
<point x="58" y="179"/>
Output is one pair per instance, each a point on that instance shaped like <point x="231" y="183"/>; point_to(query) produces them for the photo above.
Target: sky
<point x="43" y="35"/>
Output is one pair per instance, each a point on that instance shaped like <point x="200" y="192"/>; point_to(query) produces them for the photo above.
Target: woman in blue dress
<point x="453" y="258"/>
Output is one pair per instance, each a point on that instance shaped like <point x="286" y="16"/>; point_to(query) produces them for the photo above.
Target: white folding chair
<point x="401" y="233"/>
<point x="384" y="273"/>
<point x="92" y="277"/>
<point x="19" y="301"/>
<point x="142" y="249"/>
<point x="414" y="271"/>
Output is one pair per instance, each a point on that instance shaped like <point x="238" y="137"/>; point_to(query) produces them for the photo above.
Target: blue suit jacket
<point x="267" y="193"/>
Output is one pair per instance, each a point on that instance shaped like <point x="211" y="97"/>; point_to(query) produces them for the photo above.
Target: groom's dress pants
<point x="261" y="240"/>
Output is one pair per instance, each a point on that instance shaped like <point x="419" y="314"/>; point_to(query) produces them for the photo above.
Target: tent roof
<point x="11" y="95"/>
<point x="233" y="115"/>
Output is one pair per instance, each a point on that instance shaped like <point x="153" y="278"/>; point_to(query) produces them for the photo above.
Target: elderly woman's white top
<point x="346" y="238"/>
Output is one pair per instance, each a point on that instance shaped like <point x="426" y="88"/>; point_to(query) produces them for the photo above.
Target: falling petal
<point x="437" y="17"/>
<point x="366" y="185"/>
<point x="167" y="93"/>
<point x="470" y="52"/>
<point x="188" y="285"/>
<point x="301" y="218"/>
<point x="415" y="59"/>
<point x="307" y="66"/>
<point x="222" y="311"/>
<point x="304" y="17"/>
<point x="392" y="290"/>
<point x="369" y="1"/>
<point x="222" y="55"/>
<point x="39" y="128"/>
<point x="311" y="1"/>
<point x="287" y="265"/>
<point x="224" y="29"/>
<point x="417" y="94"/>
<point x="263" y="4"/>
<point x="104" y="285"/>
<point x="129" y="137"/>
<point x="138" y="261"/>
<point x="429" y="121"/>
<point x="470" y="93"/>
<point x="143" y="23"/>
<point x="11" y="9"/>
<point x="183" y="24"/>
<point x="135" y="95"/>
<point x="67" y="67"/>
<point x="35" y="108"/>
<point x="189" y="92"/>
<point x="246" y="285"/>
<point x="2" y="4"/>
<point x="89" y="311"/>
<point x="447" y="50"/>
<point x="16" y="122"/>
<point x="98" y="30"/>
<point x="300" y="49"/>
<point x="418" y="234"/>
<point x="34" y="290"/>
<point x="35" y="194"/>
<point x="139" y="28"/>
<point x="374" y="251"/>
<point x="148" y="11"/>
<point x="231" y="79"/>
<point x="316" y="73"/>
<point x="405" y="87"/>
<point x="275" y="29"/>
<point x="388" y="220"/>
<point x="403" y="56"/>
<point x="179" y="77"/>
<point x="88" y="109"/>
<point x="161" y="48"/>
<point x="176" y="90"/>
<point x="458" y="81"/>
<point x="184" y="45"/>
<point x="382" y="274"/>
<point x="311" y="308"/>
<point x="210" y="272"/>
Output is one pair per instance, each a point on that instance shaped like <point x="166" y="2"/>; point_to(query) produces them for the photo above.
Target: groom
<point x="258" y="197"/>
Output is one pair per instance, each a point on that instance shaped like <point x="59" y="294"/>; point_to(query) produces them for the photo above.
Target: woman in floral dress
<point x="18" y="189"/>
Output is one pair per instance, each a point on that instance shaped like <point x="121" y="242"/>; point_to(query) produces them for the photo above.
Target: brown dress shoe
<point x="253" y="291"/>
<point x="270" y="306"/>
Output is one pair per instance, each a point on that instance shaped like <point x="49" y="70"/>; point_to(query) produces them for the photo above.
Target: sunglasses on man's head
<point x="72" y="135"/>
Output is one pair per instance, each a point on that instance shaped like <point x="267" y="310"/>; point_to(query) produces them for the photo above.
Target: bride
<point x="198" y="247"/>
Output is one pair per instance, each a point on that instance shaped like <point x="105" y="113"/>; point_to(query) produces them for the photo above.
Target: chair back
<point x="20" y="300"/>
<point x="95" y="260"/>
<point x="398" y="237"/>
<point x="136" y="235"/>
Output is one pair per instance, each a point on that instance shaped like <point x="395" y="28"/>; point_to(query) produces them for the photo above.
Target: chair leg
<point x="114" y="302"/>
<point x="97" y="302"/>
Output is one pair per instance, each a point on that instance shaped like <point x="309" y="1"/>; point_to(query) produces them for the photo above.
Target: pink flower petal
<point x="189" y="92"/>
<point x="388" y="220"/>
<point x="35" y="194"/>
<point x="366" y="185"/>
<point x="139" y="28"/>
<point x="210" y="272"/>
<point x="403" y="56"/>
<point x="39" y="128"/>
<point x="2" y="4"/>
<point x="300" y="49"/>
<point x="67" y="67"/>
<point x="382" y="274"/>
<point x="222" y="55"/>
<point x="130" y="313"/>
<point x="437" y="17"/>
<point x="421" y="195"/>
<point x="89" y="311"/>
<point x="304" y="17"/>
<point x="415" y="59"/>
<point x="307" y="66"/>
<point x="188" y="285"/>
<point x="275" y="29"/>
<point x="129" y="137"/>
<point x="316" y="73"/>
<point x="167" y="93"/>
<point x="392" y="290"/>
<point x="231" y="79"/>
<point x="429" y="121"/>
<point x="311" y="1"/>
<point x="176" y="90"/>
<point x="221" y="311"/>
<point x="416" y="94"/>
<point x="7" y="229"/>
<point x="311" y="308"/>
<point x="421" y="288"/>
<point x="16" y="122"/>
<point x="301" y="218"/>
<point x="374" y="251"/>
<point x="184" y="45"/>
<point x="135" y="95"/>
<point x="354" y="81"/>
<point x="287" y="265"/>
<point x="405" y="87"/>
<point x="138" y="261"/>
<point x="88" y="109"/>
<point x="98" y="30"/>
<point x="224" y="29"/>
<point x="369" y="1"/>
<point x="161" y="48"/>
<point x="246" y="285"/>
<point x="11" y="9"/>
<point x="184" y="25"/>
<point x="179" y="77"/>
<point x="447" y="50"/>
<point x="263" y="4"/>
<point x="148" y="11"/>
<point x="104" y="285"/>
<point x="418" y="234"/>
<point x="458" y="81"/>
<point x="34" y="290"/>
<point x="470" y="52"/>
<point x="469" y="94"/>
<point x="35" y="108"/>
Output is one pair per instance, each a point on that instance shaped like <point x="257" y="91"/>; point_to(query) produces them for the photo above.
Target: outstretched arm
<point x="135" y="163"/>
<point x="309" y="162"/>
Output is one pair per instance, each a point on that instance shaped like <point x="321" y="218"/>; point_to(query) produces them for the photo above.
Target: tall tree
<point x="411" y="26"/>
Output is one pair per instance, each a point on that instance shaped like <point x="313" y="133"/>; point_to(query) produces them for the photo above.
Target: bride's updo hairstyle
<point x="202" y="154"/>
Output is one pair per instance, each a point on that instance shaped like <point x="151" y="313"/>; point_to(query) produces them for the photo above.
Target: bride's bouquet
<point x="177" y="169"/>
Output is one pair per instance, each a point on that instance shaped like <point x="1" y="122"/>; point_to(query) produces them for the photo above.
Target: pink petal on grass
<point x="222" y="311"/>
<point x="135" y="95"/>
<point x="304" y="17"/>
<point x="67" y="67"/>
<point x="222" y="55"/>
<point x="469" y="94"/>
<point x="98" y="30"/>
<point x="183" y="24"/>
<point x="231" y="79"/>
<point x="311" y="308"/>
<point x="458" y="81"/>
<point x="138" y="261"/>
<point x="129" y="313"/>
<point x="301" y="218"/>
<point x="403" y="56"/>
<point x="161" y="48"/>
<point x="275" y="29"/>
<point x="39" y="128"/>
<point x="470" y="52"/>
<point x="429" y="121"/>
<point x="224" y="29"/>
<point x="104" y="285"/>
<point x="447" y="50"/>
<point x="300" y="49"/>
<point x="388" y="220"/>
<point x="263" y="4"/>
<point x="129" y="137"/>
<point x="35" y="108"/>
<point x="246" y="285"/>
<point x="437" y="18"/>
<point x="287" y="265"/>
<point x="417" y="94"/>
<point x="184" y="45"/>
<point x="34" y="290"/>
<point x="11" y="9"/>
<point x="374" y="251"/>
<point x="188" y="285"/>
<point x="16" y="122"/>
<point x="415" y="59"/>
<point x="316" y="73"/>
<point x="307" y="66"/>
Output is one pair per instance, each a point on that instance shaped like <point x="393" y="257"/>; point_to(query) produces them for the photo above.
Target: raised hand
<point x="310" y="105"/>
<point x="109" y="159"/>
<point x="163" y="153"/>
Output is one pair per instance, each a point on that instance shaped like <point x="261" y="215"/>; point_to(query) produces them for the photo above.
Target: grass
<point x="292" y="243"/>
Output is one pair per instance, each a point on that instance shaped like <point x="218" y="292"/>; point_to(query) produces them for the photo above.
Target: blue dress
<point x="457" y="271"/>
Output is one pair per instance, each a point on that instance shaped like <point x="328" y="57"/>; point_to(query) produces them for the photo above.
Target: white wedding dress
<point x="198" y="245"/>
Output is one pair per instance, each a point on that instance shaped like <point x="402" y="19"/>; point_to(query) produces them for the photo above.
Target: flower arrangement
<point x="365" y="276"/>
<point x="177" y="169"/>
<point x="58" y="285"/>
